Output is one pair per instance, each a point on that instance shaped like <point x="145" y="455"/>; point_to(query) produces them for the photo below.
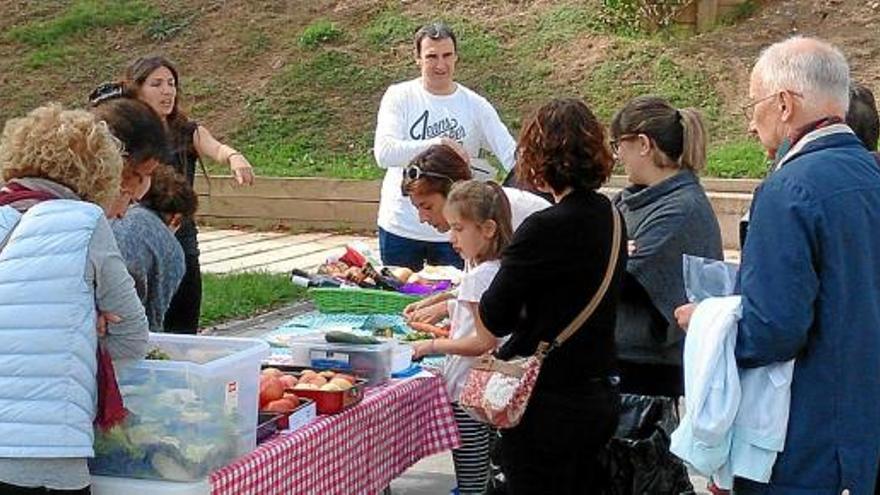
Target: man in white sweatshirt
<point x="416" y="114"/>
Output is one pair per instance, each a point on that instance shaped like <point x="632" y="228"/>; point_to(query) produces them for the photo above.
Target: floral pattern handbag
<point x="497" y="392"/>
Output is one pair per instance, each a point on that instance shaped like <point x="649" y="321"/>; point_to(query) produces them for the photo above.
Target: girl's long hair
<point x="480" y="202"/>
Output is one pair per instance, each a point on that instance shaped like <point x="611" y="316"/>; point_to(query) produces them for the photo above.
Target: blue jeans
<point x="400" y="251"/>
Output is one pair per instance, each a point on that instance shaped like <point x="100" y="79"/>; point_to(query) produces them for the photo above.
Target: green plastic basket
<point x="360" y="301"/>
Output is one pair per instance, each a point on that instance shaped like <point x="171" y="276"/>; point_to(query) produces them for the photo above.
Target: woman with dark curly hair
<point x="549" y="273"/>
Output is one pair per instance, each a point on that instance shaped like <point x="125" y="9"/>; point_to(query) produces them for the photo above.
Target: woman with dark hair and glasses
<point x="550" y="271"/>
<point x="155" y="81"/>
<point x="667" y="215"/>
<point x="430" y="110"/>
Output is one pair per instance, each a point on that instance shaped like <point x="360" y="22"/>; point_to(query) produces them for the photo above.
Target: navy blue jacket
<point x="811" y="291"/>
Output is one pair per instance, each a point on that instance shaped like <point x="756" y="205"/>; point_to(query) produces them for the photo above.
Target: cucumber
<point x="337" y="337"/>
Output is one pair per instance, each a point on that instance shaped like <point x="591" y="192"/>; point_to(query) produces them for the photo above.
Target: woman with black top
<point x="549" y="273"/>
<point x="155" y="81"/>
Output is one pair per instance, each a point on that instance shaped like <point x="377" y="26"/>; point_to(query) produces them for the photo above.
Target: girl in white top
<point x="427" y="181"/>
<point x="479" y="217"/>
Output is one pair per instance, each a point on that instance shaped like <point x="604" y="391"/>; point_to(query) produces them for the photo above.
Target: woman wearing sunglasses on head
<point x="429" y="177"/>
<point x="427" y="181"/>
<point x="143" y="140"/>
<point x="667" y="215"/>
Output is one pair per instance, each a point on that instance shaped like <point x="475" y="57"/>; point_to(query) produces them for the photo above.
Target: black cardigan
<point x="548" y="274"/>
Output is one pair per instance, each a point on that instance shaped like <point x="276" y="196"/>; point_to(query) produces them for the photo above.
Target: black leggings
<point x="20" y="490"/>
<point x="183" y="312"/>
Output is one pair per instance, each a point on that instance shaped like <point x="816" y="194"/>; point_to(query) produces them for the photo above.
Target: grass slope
<point x="296" y="85"/>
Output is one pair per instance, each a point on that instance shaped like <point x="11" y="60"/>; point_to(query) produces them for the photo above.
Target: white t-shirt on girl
<point x="474" y="283"/>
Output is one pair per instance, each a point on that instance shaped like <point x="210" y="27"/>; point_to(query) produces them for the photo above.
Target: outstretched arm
<point x="207" y="145"/>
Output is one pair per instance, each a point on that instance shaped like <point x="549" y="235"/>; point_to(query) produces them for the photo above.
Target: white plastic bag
<point x="704" y="277"/>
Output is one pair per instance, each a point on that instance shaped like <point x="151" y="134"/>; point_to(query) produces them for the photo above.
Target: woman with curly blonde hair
<point x="58" y="265"/>
<point x="549" y="273"/>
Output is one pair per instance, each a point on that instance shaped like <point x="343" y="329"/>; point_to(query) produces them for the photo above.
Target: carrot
<point x="428" y="328"/>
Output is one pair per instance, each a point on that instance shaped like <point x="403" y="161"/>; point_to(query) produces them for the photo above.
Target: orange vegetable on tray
<point x="428" y="328"/>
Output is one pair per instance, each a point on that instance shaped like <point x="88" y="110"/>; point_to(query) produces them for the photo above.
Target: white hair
<point x="809" y="66"/>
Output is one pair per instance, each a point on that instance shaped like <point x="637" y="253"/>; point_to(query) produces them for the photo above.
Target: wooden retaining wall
<point x="702" y="15"/>
<point x="338" y="204"/>
<point x="300" y="203"/>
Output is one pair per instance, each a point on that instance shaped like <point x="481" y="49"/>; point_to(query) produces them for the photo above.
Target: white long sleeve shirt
<point x="410" y="120"/>
<point x="735" y="419"/>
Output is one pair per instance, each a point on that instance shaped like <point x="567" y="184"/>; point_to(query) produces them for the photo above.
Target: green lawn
<point x="737" y="159"/>
<point x="297" y="127"/>
<point x="240" y="295"/>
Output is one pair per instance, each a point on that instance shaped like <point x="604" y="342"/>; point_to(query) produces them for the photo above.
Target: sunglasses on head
<point x="104" y="92"/>
<point x="413" y="172"/>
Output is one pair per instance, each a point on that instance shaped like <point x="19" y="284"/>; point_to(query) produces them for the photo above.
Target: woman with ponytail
<point x="667" y="213"/>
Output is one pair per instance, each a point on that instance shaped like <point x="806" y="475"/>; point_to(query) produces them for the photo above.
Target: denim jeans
<point x="413" y="254"/>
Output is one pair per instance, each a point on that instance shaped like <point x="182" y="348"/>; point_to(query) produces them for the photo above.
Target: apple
<point x="271" y="389"/>
<point x="313" y="379"/>
<point x="280" y="406"/>
<point x="305" y="386"/>
<point x="327" y="374"/>
<point x="272" y="372"/>
<point x="350" y="379"/>
<point x="292" y="399"/>
<point x="330" y="387"/>
<point x="289" y="381"/>
<point x="341" y="383"/>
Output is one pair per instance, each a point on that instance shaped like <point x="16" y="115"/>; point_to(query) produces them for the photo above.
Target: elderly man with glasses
<point x="810" y="274"/>
<point x="430" y="110"/>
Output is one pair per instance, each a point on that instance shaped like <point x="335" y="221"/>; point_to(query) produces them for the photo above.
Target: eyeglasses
<point x="413" y="172"/>
<point x="615" y="143"/>
<point x="748" y="110"/>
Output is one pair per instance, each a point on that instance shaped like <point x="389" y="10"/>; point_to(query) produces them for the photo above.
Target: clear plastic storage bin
<point x="102" y="485"/>
<point x="190" y="414"/>
<point x="372" y="361"/>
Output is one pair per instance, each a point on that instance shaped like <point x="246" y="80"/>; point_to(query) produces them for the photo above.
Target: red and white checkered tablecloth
<point x="358" y="451"/>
